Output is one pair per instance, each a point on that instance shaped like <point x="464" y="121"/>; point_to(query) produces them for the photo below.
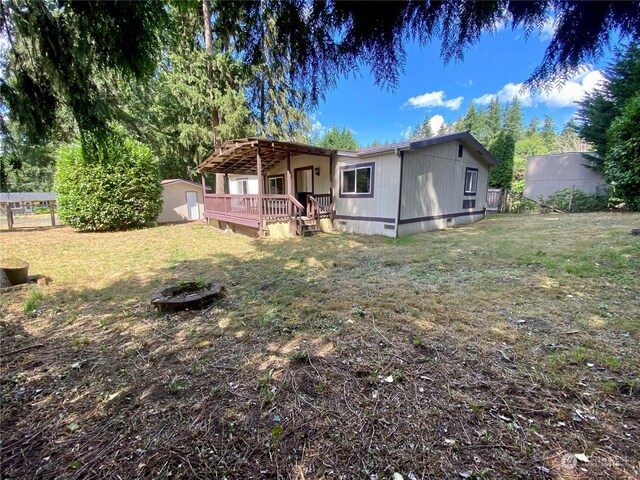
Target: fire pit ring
<point x="187" y="296"/>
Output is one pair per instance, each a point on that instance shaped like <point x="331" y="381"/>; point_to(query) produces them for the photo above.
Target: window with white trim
<point x="276" y="185"/>
<point x="356" y="180"/>
<point x="471" y="181"/>
<point x="242" y="184"/>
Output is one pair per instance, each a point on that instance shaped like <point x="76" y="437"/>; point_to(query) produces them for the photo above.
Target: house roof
<point x="463" y="137"/>
<point x="170" y="181"/>
<point x="239" y="155"/>
<point x="27" y="196"/>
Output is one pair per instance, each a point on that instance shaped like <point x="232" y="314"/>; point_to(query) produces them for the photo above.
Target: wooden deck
<point x="256" y="210"/>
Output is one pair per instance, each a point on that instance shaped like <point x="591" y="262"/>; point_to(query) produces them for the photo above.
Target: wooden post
<point x="260" y="190"/>
<point x="331" y="178"/>
<point x="288" y="178"/>
<point x="52" y="209"/>
<point x="573" y="189"/>
<point x="204" y="199"/>
<point x="9" y="216"/>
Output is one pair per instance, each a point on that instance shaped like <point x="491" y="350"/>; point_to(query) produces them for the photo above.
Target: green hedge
<point x="110" y="185"/>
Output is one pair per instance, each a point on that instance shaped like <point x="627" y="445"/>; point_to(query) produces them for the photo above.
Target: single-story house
<point x="548" y="174"/>
<point x="182" y="201"/>
<point x="391" y="190"/>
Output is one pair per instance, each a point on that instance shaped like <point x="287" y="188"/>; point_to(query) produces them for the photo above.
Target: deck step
<point x="310" y="229"/>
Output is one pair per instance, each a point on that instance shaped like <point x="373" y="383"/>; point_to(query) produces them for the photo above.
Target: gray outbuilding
<point x="548" y="174"/>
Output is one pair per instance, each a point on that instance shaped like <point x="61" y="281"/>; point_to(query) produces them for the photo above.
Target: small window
<point x="242" y="186"/>
<point x="460" y="150"/>
<point x="471" y="181"/>
<point x="276" y="185"/>
<point x="357" y="180"/>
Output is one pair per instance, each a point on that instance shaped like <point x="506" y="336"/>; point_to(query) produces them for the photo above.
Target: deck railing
<point x="244" y="209"/>
<point x="319" y="206"/>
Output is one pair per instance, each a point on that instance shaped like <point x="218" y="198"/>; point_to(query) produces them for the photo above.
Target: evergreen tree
<point x="513" y="122"/>
<point x="421" y="130"/>
<point x="622" y="164"/>
<point x="548" y="132"/>
<point x="339" y="139"/>
<point x="472" y="121"/>
<point x="445" y="129"/>
<point x="534" y="125"/>
<point x="492" y="122"/>
<point x="503" y="149"/>
<point x="601" y="107"/>
<point x="174" y="112"/>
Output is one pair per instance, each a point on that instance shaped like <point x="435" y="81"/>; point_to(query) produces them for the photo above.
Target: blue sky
<point x="497" y="65"/>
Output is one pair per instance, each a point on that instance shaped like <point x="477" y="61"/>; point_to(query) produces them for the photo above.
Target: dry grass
<point x="510" y="343"/>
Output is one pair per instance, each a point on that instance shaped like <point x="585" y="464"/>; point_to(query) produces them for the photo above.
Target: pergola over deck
<point x="255" y="156"/>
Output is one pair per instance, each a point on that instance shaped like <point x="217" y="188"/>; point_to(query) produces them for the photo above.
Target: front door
<point x="303" y="184"/>
<point x="192" y="206"/>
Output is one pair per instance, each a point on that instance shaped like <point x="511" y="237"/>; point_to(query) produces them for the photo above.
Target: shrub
<point x="582" y="202"/>
<point x="111" y="184"/>
<point x="503" y="149"/>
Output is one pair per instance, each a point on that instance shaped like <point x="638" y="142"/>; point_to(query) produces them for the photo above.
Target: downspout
<point x="399" y="192"/>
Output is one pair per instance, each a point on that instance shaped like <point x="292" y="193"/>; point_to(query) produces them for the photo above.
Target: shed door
<point x="192" y="206"/>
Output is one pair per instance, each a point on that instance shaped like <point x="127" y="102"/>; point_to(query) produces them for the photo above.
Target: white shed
<point x="181" y="201"/>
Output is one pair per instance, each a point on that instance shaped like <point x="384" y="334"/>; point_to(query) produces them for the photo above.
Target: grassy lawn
<point x="495" y="350"/>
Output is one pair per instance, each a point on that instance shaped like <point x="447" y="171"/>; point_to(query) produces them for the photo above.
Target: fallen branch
<point x="24" y="349"/>
<point x="543" y="205"/>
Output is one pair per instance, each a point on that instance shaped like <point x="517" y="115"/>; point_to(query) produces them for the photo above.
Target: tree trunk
<point x="215" y="115"/>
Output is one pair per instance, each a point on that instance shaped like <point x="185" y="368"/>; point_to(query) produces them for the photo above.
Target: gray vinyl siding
<point x="433" y="186"/>
<point x="369" y="215"/>
<point x="548" y="174"/>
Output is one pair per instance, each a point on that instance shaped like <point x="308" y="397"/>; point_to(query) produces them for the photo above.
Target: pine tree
<point x="421" y="130"/>
<point x="513" y="122"/>
<point x="534" y="125"/>
<point x="492" y="122"/>
<point x="548" y="132"/>
<point x="472" y="121"/>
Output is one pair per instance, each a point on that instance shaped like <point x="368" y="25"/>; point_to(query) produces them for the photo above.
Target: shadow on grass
<point x="326" y="359"/>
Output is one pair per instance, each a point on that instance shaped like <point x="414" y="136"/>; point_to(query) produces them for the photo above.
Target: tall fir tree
<point x="472" y="121"/>
<point x="422" y="130"/>
<point x="548" y="132"/>
<point x="492" y="121"/>
<point x="513" y="122"/>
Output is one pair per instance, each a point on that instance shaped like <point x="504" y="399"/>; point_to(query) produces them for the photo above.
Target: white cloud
<point x="548" y="29"/>
<point x="506" y="94"/>
<point x="436" y="122"/>
<point x="566" y="95"/>
<point x="317" y="128"/>
<point x="406" y="132"/>
<point x="434" y="99"/>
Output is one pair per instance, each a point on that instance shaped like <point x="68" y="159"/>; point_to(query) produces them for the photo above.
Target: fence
<point x="497" y="200"/>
